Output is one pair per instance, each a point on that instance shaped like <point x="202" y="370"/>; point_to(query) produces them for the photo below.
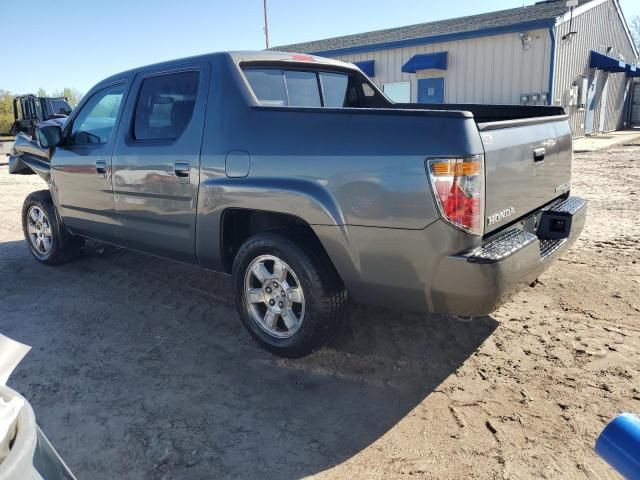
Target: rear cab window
<point x="302" y="88"/>
<point x="282" y="87"/>
<point x="334" y="87"/>
<point x="268" y="86"/>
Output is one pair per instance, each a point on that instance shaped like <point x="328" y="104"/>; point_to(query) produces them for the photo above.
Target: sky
<point x="76" y="43"/>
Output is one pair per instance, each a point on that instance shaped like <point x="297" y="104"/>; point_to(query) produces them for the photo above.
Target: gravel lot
<point x="140" y="367"/>
<point x="5" y="148"/>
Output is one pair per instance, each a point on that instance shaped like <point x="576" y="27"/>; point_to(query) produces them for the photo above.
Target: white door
<point x="603" y="103"/>
<point x="635" y="104"/>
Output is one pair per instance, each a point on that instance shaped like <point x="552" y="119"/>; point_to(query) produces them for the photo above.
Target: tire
<point x="310" y="293"/>
<point x="47" y="238"/>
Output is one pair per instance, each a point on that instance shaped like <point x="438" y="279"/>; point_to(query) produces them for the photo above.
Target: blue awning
<point x="367" y="66"/>
<point x="426" y="61"/>
<point x="608" y="64"/>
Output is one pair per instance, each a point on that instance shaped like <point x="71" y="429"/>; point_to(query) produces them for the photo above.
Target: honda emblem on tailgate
<point x="500" y="216"/>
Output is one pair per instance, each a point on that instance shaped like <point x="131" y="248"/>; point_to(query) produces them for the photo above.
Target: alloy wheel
<point x="39" y="230"/>
<point x="273" y="296"/>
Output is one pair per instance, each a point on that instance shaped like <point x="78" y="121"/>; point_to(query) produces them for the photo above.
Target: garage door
<point x="635" y="106"/>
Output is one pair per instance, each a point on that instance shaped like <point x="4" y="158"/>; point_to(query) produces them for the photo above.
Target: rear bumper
<point x="478" y="281"/>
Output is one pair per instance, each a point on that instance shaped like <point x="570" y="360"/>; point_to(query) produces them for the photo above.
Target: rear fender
<point x="302" y="198"/>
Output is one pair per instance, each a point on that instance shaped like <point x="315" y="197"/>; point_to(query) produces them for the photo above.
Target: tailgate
<point x="527" y="164"/>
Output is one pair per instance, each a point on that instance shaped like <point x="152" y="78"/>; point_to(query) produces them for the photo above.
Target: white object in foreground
<point x="9" y="411"/>
<point x="22" y="431"/>
<point x="25" y="452"/>
<point x="11" y="354"/>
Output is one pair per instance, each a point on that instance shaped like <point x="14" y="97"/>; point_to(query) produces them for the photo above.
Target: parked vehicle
<point x="28" y="110"/>
<point x="299" y="178"/>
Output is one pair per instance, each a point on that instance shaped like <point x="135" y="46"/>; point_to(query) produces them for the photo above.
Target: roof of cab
<point x="237" y="57"/>
<point x="276" y="56"/>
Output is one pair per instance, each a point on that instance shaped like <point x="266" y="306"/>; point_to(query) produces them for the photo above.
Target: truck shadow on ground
<point x="141" y="369"/>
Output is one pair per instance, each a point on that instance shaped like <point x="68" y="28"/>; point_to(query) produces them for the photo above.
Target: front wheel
<point x="47" y="239"/>
<point x="289" y="299"/>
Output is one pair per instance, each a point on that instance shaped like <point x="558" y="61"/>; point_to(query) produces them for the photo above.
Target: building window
<point x="268" y="86"/>
<point x="398" y="92"/>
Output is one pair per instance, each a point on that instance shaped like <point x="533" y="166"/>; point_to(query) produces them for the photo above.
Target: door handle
<point x="538" y="154"/>
<point x="181" y="169"/>
<point x="101" y="167"/>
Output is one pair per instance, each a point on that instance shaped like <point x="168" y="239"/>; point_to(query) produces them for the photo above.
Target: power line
<point x="266" y="25"/>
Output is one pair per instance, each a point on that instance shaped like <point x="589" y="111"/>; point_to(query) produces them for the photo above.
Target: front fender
<point x="27" y="157"/>
<point x="25" y="164"/>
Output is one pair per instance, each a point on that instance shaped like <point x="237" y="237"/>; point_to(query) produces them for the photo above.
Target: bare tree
<point x="634" y="26"/>
<point x="72" y="94"/>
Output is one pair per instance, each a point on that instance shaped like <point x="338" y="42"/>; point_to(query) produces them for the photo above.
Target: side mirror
<point x="49" y="136"/>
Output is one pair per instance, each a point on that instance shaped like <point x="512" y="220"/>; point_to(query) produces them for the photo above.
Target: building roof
<point x="539" y="13"/>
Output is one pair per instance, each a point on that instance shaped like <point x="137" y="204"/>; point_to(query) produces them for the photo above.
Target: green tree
<point x="6" y="111"/>
<point x="73" y="95"/>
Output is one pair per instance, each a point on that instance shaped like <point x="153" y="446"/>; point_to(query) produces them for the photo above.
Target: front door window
<point x="94" y="124"/>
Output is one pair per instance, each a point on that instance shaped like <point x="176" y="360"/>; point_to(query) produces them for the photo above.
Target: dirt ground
<point x="140" y="368"/>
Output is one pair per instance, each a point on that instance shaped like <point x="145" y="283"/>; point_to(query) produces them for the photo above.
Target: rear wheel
<point x="290" y="300"/>
<point x="48" y="240"/>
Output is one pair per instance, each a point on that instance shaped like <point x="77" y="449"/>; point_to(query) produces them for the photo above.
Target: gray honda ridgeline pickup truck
<point x="297" y="176"/>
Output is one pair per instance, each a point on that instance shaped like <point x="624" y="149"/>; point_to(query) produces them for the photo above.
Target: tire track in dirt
<point x="137" y="351"/>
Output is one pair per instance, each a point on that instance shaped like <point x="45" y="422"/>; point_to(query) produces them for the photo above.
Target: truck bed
<point x="528" y="152"/>
<point x="484" y="114"/>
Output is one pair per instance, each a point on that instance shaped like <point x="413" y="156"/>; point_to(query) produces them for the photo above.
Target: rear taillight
<point x="458" y="185"/>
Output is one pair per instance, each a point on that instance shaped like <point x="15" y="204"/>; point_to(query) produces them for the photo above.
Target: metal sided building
<point x="578" y="54"/>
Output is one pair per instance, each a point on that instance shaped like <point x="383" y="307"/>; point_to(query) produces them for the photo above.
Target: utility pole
<point x="266" y="25"/>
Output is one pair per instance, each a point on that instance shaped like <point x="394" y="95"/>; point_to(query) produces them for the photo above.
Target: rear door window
<point x="165" y="106"/>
